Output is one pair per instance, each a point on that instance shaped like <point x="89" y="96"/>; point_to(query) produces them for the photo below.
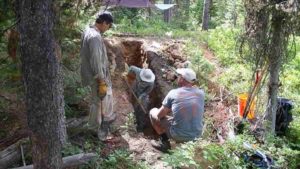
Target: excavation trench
<point x="139" y="53"/>
<point x="162" y="58"/>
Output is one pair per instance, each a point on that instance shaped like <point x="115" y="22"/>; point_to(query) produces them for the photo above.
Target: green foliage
<point x="70" y="149"/>
<point x="293" y="134"/>
<point x="291" y="88"/>
<point x="236" y="78"/>
<point x="129" y="124"/>
<point x="199" y="63"/>
<point x="7" y="15"/>
<point x="133" y="13"/>
<point x="73" y="92"/>
<point x="153" y="25"/>
<point x="118" y="159"/>
<point x="4" y="117"/>
<point x="222" y="41"/>
<point x="141" y="26"/>
<point x="280" y="150"/>
<point x="229" y="12"/>
<point x="182" y="156"/>
<point x="197" y="11"/>
<point x="203" y="154"/>
<point x="10" y="75"/>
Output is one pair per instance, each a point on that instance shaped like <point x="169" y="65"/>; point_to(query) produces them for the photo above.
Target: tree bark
<point x="234" y="14"/>
<point x="42" y="81"/>
<point x="167" y="13"/>
<point x="186" y="7"/>
<point x="275" y="58"/>
<point x="206" y="14"/>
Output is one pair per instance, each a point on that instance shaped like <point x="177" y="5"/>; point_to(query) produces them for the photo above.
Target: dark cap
<point x="105" y="16"/>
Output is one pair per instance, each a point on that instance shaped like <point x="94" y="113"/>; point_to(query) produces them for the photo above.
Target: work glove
<point x="124" y="74"/>
<point x="126" y="67"/>
<point x="102" y="89"/>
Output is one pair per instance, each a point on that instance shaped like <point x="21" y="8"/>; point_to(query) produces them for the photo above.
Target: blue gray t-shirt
<point x="187" y="105"/>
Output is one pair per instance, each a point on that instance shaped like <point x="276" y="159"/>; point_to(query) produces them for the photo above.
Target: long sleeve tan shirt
<point x="94" y="61"/>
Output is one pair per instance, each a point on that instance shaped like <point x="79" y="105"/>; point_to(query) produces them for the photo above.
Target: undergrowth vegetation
<point x="233" y="153"/>
<point x="235" y="74"/>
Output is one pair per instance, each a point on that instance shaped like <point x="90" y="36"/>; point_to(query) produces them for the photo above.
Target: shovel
<point x="137" y="99"/>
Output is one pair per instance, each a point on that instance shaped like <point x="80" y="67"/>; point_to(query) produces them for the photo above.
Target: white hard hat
<point x="147" y="75"/>
<point x="187" y="73"/>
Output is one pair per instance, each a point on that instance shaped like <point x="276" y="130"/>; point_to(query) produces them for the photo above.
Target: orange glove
<point x="102" y="89"/>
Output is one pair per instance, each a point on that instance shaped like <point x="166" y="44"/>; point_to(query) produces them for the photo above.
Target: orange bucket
<point x="242" y="102"/>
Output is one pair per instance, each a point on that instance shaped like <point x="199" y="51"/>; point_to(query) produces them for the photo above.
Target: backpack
<point x="283" y="115"/>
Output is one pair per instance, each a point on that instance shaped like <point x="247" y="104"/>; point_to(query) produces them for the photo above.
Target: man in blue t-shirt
<point x="186" y="104"/>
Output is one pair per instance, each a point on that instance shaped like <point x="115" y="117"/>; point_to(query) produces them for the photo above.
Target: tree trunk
<point x="234" y="14"/>
<point x="206" y="14"/>
<point x="275" y="59"/>
<point x="167" y="13"/>
<point x="186" y="7"/>
<point x="42" y="80"/>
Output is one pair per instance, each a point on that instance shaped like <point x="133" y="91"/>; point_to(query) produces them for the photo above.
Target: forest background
<point x="225" y="32"/>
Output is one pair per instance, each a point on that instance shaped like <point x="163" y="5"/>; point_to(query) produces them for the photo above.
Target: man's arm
<point x="134" y="69"/>
<point x="163" y="111"/>
<point x="96" y="57"/>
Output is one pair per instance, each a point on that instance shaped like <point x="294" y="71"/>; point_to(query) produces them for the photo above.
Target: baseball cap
<point x="147" y="75"/>
<point x="187" y="73"/>
<point x="105" y="16"/>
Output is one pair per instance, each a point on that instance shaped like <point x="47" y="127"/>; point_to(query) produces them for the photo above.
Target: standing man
<point x="95" y="73"/>
<point x="186" y="104"/>
<point x="142" y="86"/>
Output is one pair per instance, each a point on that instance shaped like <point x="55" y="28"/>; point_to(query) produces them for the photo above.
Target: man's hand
<point x="102" y="89"/>
<point x="124" y="74"/>
<point x="126" y="67"/>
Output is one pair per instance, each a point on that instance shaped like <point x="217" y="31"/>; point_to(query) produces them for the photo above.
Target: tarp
<point x="164" y="6"/>
<point x="129" y="3"/>
<point x="137" y="4"/>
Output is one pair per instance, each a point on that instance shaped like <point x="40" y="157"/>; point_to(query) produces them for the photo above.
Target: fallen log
<point x="71" y="161"/>
<point x="76" y="122"/>
<point x="18" y="135"/>
<point x="12" y="153"/>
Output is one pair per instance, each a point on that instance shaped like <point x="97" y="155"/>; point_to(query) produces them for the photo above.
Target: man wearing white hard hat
<point x="142" y="86"/>
<point x="186" y="107"/>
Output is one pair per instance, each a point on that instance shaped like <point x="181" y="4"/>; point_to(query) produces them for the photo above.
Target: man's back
<point x="187" y="105"/>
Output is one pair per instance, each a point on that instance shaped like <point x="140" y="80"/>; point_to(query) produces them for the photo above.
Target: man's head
<point x="147" y="75"/>
<point x="104" y="21"/>
<point x="186" y="77"/>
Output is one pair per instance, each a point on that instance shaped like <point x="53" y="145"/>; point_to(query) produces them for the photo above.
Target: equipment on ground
<point x="283" y="115"/>
<point x="256" y="157"/>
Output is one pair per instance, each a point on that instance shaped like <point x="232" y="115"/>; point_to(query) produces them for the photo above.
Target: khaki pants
<point x="160" y="126"/>
<point x="95" y="116"/>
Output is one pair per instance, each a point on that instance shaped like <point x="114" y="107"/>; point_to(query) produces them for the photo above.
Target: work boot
<point x="103" y="130"/>
<point x="163" y="146"/>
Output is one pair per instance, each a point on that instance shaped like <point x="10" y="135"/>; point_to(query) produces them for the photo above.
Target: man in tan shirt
<point x="95" y="73"/>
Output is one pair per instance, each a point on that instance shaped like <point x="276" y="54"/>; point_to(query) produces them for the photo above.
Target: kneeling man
<point x="186" y="105"/>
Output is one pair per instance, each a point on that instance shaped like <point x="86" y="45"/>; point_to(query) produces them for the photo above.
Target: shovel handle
<point x="137" y="99"/>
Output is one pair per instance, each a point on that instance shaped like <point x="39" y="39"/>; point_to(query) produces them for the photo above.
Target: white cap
<point x="147" y="75"/>
<point x="187" y="73"/>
